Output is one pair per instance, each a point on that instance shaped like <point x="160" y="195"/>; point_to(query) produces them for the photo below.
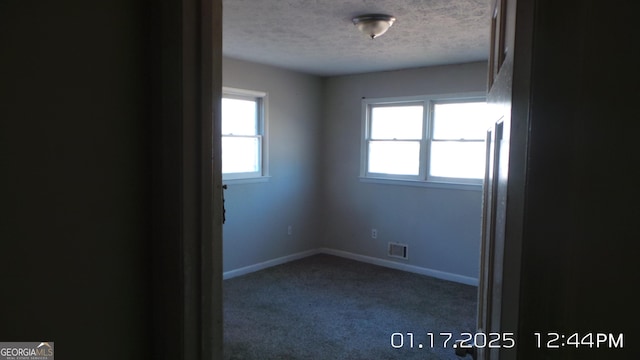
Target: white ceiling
<point x="318" y="37"/>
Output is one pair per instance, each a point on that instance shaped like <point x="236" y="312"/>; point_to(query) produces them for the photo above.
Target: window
<point x="425" y="139"/>
<point x="243" y="134"/>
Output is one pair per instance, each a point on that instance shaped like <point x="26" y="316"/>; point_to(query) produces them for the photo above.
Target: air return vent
<point x="398" y="250"/>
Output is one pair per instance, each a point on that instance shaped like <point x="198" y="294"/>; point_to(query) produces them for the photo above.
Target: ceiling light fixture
<point x="373" y="25"/>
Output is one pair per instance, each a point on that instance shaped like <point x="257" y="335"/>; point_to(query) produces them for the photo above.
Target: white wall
<point x="258" y="214"/>
<point x="441" y="226"/>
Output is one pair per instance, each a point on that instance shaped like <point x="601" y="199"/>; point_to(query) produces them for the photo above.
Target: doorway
<point x="341" y="209"/>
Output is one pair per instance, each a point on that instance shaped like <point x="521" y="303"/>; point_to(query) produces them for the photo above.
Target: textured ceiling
<point x="318" y="37"/>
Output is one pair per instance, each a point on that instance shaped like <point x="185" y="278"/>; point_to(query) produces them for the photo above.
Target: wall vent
<point x="398" y="250"/>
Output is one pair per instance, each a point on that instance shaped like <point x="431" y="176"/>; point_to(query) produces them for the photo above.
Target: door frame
<point x="186" y="216"/>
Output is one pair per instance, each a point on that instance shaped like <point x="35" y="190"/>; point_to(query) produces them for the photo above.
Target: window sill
<point x="418" y="183"/>
<point x="259" y="179"/>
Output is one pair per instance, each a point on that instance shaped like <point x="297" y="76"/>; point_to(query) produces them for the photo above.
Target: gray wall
<point x="258" y="213"/>
<point x="314" y="130"/>
<point x="441" y="226"/>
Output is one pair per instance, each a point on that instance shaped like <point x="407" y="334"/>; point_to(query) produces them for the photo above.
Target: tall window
<point x="395" y="138"/>
<point x="425" y="139"/>
<point x="243" y="134"/>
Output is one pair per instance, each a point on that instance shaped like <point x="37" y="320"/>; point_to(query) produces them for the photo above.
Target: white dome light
<point x="373" y="25"/>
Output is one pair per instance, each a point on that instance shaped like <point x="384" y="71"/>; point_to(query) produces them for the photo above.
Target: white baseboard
<point x="404" y="267"/>
<point x="266" y="264"/>
<point x="362" y="258"/>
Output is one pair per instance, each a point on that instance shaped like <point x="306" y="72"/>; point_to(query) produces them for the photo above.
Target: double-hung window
<point x="426" y="139"/>
<point x="394" y="141"/>
<point x="243" y="134"/>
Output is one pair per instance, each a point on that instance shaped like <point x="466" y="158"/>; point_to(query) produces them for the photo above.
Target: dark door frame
<point x="186" y="56"/>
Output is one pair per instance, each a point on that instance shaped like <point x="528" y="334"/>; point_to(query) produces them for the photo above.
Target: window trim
<point x="423" y="178"/>
<point x="263" y="137"/>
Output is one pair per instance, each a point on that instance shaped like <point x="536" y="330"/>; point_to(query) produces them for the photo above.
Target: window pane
<point x="394" y="157"/>
<point x="239" y="117"/>
<point x="455" y="159"/>
<point x="240" y="154"/>
<point x="396" y="122"/>
<point x="468" y="121"/>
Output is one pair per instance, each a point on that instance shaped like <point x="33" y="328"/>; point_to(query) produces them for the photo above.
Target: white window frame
<point x="422" y="179"/>
<point x="262" y="135"/>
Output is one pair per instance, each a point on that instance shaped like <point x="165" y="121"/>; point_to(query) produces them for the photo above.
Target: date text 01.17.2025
<point x="446" y="340"/>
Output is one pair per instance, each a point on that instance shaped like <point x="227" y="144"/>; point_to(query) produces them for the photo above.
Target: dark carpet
<point x="327" y="307"/>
